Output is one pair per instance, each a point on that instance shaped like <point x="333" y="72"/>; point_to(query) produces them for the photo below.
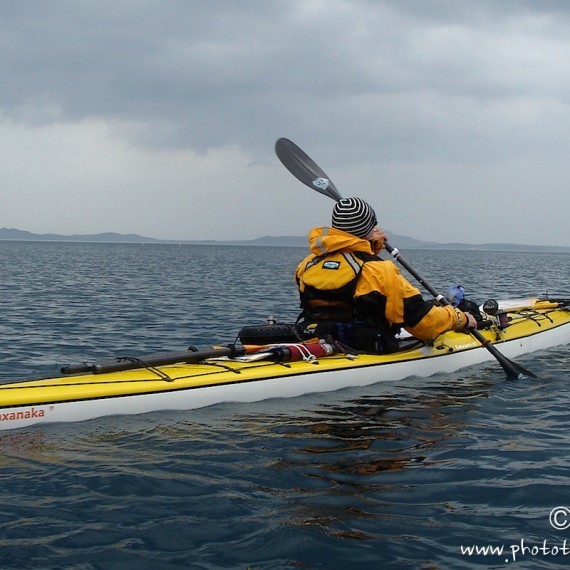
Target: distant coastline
<point x="403" y="242"/>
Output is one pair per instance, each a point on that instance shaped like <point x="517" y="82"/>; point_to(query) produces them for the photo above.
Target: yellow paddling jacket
<point x="342" y="279"/>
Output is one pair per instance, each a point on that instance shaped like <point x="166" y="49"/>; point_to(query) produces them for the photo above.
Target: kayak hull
<point x="190" y="386"/>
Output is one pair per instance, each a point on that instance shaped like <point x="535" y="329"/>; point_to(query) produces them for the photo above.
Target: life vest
<point x="327" y="284"/>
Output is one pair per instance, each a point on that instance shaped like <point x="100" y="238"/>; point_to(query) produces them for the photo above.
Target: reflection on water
<point x="349" y="455"/>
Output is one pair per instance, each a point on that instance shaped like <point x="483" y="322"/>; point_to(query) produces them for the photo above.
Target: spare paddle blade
<point x="120" y="363"/>
<point x="305" y="169"/>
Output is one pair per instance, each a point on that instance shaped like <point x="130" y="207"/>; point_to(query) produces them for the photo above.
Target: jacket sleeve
<point x="403" y="303"/>
<point x="437" y="321"/>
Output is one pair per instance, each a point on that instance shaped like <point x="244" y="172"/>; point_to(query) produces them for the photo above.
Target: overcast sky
<point x="159" y="117"/>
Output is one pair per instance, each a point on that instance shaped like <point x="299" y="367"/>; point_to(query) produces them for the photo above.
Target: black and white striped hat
<point x="354" y="216"/>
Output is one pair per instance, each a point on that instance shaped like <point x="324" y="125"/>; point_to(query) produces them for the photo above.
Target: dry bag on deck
<point x="273" y="333"/>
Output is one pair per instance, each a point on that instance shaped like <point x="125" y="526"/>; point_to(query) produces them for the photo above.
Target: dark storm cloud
<point x="391" y="76"/>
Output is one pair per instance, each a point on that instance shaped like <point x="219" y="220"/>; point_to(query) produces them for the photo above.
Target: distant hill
<point x="402" y="242"/>
<point x="21" y="235"/>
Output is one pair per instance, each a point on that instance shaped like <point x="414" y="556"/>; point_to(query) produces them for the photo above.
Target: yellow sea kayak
<point x="189" y="380"/>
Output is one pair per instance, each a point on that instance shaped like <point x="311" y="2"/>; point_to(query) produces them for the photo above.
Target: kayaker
<point x="348" y="292"/>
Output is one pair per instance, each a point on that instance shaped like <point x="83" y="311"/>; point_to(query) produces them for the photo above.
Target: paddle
<point x="150" y="360"/>
<point x="309" y="173"/>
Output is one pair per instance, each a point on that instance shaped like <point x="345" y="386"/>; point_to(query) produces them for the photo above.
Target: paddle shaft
<point x="307" y="171"/>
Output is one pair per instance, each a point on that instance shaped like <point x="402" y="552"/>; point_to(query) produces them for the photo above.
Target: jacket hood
<point x="324" y="240"/>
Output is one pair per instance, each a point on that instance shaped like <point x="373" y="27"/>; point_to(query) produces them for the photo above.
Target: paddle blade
<point x="513" y="370"/>
<point x="305" y="169"/>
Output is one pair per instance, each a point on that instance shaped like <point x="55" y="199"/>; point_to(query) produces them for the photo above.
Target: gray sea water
<point x="457" y="471"/>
